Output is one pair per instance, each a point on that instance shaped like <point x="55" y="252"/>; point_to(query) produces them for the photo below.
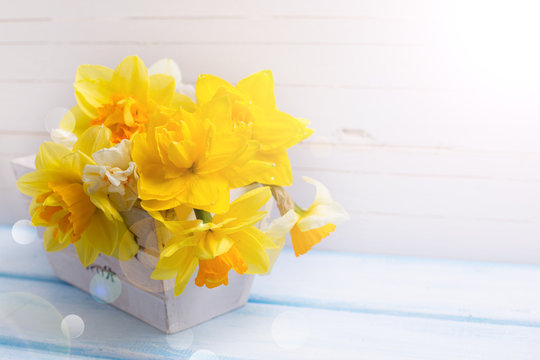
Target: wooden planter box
<point x="127" y="284"/>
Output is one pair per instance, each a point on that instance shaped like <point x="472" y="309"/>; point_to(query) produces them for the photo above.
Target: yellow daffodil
<point x="61" y="204"/>
<point x="318" y="221"/>
<point x="217" y="244"/>
<point x="254" y="106"/>
<point x="188" y="162"/>
<point x="124" y="99"/>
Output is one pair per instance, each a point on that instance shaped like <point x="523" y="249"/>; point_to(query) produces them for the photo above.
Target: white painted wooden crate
<point x="152" y="301"/>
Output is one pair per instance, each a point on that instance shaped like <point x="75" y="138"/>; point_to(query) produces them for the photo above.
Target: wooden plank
<point x="401" y="234"/>
<point x="18" y="353"/>
<point x="246" y="333"/>
<point x="345" y="65"/>
<point x="424" y="196"/>
<point x="389" y="117"/>
<point x="442" y="237"/>
<point x="404" y="161"/>
<point x="28" y="9"/>
<point x="479" y="218"/>
<point x="391" y="285"/>
<point x="362" y="159"/>
<point x="216" y="30"/>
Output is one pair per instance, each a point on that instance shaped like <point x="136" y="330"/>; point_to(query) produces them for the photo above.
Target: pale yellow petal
<point x="93" y="72"/>
<point x="323" y="214"/>
<point x="92" y="88"/>
<point x="213" y="244"/>
<point x="55" y="243"/>
<point x="86" y="252"/>
<point x="246" y="205"/>
<point x="184" y="264"/>
<point x="92" y="94"/>
<point x="183" y="276"/>
<point x="322" y="195"/>
<point x="126" y="246"/>
<point x="93" y="139"/>
<point x="131" y="78"/>
<point x="183" y="101"/>
<point x="35" y="183"/>
<point x="252" y="252"/>
<point x="166" y="66"/>
<point x="161" y="88"/>
<point x="50" y="155"/>
<point x="102" y="202"/>
<point x="277" y="232"/>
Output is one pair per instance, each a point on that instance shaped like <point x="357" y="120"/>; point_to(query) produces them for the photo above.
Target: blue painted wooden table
<point x="325" y="305"/>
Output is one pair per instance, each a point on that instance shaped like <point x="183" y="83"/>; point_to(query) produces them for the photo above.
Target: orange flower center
<point x="303" y="241"/>
<point x="215" y="272"/>
<point x="124" y="117"/>
<point x="73" y="213"/>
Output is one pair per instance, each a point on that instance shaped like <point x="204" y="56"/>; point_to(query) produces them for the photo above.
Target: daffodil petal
<point x="86" y="252"/>
<point x="166" y="66"/>
<point x="34" y="183"/>
<point x="55" y="243"/>
<point x="280" y="172"/>
<point x="102" y="202"/>
<point x="322" y="195"/>
<point x="322" y="214"/>
<point x="277" y="232"/>
<point x="50" y="155"/>
<point x="278" y="130"/>
<point x="161" y="88"/>
<point x="93" y="139"/>
<point x="210" y="193"/>
<point x="75" y="121"/>
<point x="247" y="204"/>
<point x="252" y="252"/>
<point x="93" y="72"/>
<point x="208" y="85"/>
<point x="92" y="94"/>
<point x="157" y="205"/>
<point x="131" y="77"/>
<point x="303" y="241"/>
<point x="260" y="87"/>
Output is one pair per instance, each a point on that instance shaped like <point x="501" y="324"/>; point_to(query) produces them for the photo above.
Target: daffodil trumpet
<point x="141" y="140"/>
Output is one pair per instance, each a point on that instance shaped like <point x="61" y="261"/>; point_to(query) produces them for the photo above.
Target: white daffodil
<point x="318" y="221"/>
<point x="277" y="231"/>
<point x="113" y="175"/>
<point x="169" y="67"/>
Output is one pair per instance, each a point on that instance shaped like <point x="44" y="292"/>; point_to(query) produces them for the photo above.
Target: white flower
<point x="63" y="137"/>
<point x="169" y="67"/>
<point x="114" y="174"/>
<point x="277" y="232"/>
<point x="323" y="211"/>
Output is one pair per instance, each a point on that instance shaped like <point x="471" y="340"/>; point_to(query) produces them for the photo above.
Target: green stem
<point x="203" y="215"/>
<point x="299" y="210"/>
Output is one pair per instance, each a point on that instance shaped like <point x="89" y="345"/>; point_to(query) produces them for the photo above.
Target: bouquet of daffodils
<point x="139" y="138"/>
